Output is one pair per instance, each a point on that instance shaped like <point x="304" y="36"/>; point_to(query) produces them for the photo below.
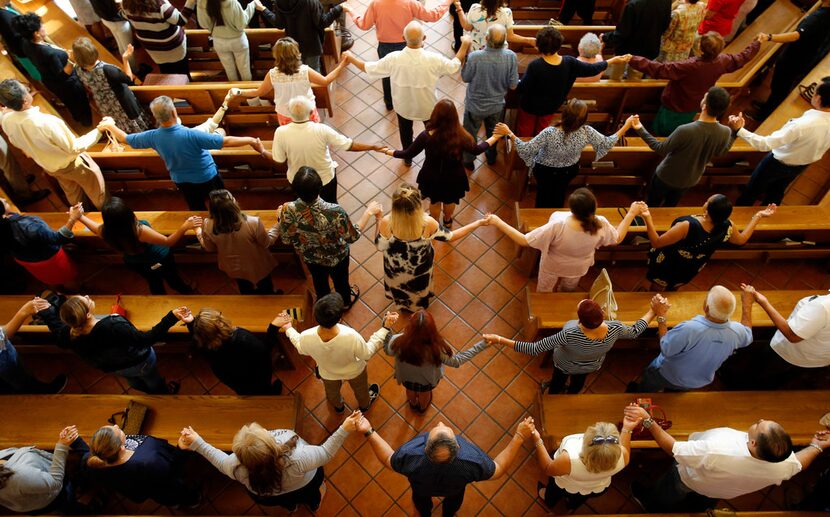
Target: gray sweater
<point x="428" y="374"/>
<point x="687" y="151"/>
<point x="37" y="478"/>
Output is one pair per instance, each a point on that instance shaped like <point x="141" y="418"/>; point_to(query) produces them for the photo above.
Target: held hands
<point x="374" y="208"/>
<point x="258" y="147"/>
<point x="128" y="53"/>
<point x="630" y="421"/>
<point x="350" y="424"/>
<point x="748" y="290"/>
<point x="194" y="221"/>
<point x="38" y="304"/>
<point x="466" y="40"/>
<point x="106" y="123"/>
<point x="493" y="339"/>
<point x="502" y="129"/>
<point x="363" y="424"/>
<point x="526" y="428"/>
<point x="736" y="122"/>
<point x="822" y="439"/>
<point x="346" y="57"/>
<point x="258" y="5"/>
<point x="68" y="435"/>
<point x="187" y="438"/>
<point x="768" y="211"/>
<point x="660" y="305"/>
<point x="634" y="121"/>
<point x="183" y="314"/>
<point x="625" y="58"/>
<point x="75" y="212"/>
<point x="282" y="320"/>
<point x="762" y="37"/>
<point x="390" y="318"/>
<point x="635" y="414"/>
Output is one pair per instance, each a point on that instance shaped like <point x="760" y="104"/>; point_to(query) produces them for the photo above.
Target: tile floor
<point x="477" y="290"/>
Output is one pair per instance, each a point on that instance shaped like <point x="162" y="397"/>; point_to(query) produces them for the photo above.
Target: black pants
<point x="552" y="184"/>
<point x="769" y="181"/>
<point x="264" y="286"/>
<point x="156" y="277"/>
<point x="789" y="70"/>
<point x="73" y="95"/>
<point x="308" y="495"/>
<point x="553" y="493"/>
<point x="179" y="67"/>
<point x="329" y="191"/>
<point x="196" y="194"/>
<point x="756" y="367"/>
<point x="405" y="128"/>
<point x="584" y="8"/>
<point x="660" y="194"/>
<point x="557" y="382"/>
<point x="670" y="494"/>
<point x="457" y="29"/>
<point x="450" y="506"/>
<point x="383" y="49"/>
<point x="339" y="275"/>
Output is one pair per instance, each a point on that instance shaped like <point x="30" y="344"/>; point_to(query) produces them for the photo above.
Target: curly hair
<point x="27" y="25"/>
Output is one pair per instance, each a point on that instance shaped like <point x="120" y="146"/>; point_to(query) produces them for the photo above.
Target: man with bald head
<point x="414" y="73"/>
<point x="721" y="463"/>
<point x="692" y="352"/>
<point x="489" y="74"/>
<point x="440" y="464"/>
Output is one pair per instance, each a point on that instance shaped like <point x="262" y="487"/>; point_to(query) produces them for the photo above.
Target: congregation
<point x="511" y="105"/>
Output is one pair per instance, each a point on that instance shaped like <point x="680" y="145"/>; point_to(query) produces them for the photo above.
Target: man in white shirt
<point x="801" y="342"/>
<point x="414" y="73"/>
<point x="721" y="463"/>
<point x="307" y="143"/>
<point x="48" y="141"/>
<point x="800" y="142"/>
<point x="339" y="350"/>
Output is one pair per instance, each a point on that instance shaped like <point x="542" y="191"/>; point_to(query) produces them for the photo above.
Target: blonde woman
<point x="277" y="467"/>
<point x="583" y="464"/>
<point x="139" y="467"/>
<point x="291" y="78"/>
<point x="405" y="237"/>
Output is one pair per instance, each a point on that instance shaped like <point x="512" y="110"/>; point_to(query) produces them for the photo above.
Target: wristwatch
<point x="661" y="319"/>
<point x="647" y="423"/>
<point x="369" y="432"/>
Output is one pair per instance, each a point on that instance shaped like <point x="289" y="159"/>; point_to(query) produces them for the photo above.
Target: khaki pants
<point x="83" y="176"/>
<point x="360" y="387"/>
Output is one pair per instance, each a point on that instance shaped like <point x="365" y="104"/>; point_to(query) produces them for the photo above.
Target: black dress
<point x="50" y="61"/>
<point x="678" y="264"/>
<point x="442" y="178"/>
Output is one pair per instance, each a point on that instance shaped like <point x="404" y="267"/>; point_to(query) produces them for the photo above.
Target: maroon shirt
<point x="690" y="79"/>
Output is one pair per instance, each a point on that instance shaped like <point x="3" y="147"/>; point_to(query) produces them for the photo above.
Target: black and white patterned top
<point x="553" y="148"/>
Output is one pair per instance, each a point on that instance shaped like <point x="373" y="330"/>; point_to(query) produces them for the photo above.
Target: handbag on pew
<point x="131" y="419"/>
<point x="808" y="91"/>
<point x="117" y="308"/>
<point x="113" y="145"/>
<point x="602" y="292"/>
<point x="641" y="433"/>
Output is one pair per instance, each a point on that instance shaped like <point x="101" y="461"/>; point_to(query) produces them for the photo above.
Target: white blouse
<point x="580" y="481"/>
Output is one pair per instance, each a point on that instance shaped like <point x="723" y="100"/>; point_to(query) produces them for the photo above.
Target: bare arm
<point x="319" y="80"/>
<point x="561" y="466"/>
<point x="622" y="228"/>
<point x="91" y="225"/>
<point x="150" y="236"/>
<point x="742" y="237"/>
<point x="514" y="234"/>
<point x="674" y="234"/>
<point x="818" y="444"/>
<point x="778" y="320"/>
<point x="265" y="87"/>
<point x="464" y="230"/>
<point x="23" y="314"/>
<point x="379" y="446"/>
<point x="508" y="455"/>
<point x="357" y="62"/>
<point x="785" y="37"/>
<point x="512" y="37"/>
<point x="462" y="17"/>
<point x="239" y="141"/>
<point x="664" y="440"/>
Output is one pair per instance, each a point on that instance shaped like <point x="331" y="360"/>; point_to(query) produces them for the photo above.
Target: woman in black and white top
<point x="554" y="153"/>
<point x="580" y="347"/>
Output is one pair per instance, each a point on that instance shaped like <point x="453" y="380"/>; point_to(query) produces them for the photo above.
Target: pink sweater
<point x="389" y="17"/>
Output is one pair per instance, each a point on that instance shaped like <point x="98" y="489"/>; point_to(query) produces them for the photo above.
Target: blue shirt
<point x="441" y="479"/>
<point x="490" y="72"/>
<point x="33" y="240"/>
<point x="184" y="151"/>
<point x="692" y="352"/>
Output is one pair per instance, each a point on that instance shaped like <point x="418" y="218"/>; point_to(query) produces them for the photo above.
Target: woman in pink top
<point x="720" y="14"/>
<point x="569" y="240"/>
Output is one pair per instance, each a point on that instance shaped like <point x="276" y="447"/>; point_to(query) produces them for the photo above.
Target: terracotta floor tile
<point x="485" y="432"/>
<point x="484" y="390"/>
<point x="512" y="499"/>
<point x="501" y="369"/>
<point x="474" y="279"/>
<point x="392" y="483"/>
<point x="462" y="410"/>
<point x="506" y="412"/>
<point x="477" y="314"/>
<point x="350" y="481"/>
<point x="372" y="500"/>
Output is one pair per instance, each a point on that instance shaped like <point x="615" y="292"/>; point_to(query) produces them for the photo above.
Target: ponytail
<point x="583" y="206"/>
<point x="74" y="312"/>
<point x="104" y="448"/>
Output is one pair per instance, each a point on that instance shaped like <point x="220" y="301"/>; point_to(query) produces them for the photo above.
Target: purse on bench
<point x="131" y="419"/>
<point x="641" y="433"/>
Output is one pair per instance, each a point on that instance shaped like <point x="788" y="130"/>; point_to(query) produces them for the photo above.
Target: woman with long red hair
<point x="443" y="179"/>
<point x="420" y="355"/>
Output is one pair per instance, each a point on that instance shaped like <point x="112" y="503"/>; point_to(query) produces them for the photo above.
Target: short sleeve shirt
<point x="477" y="16"/>
<point x="184" y="151"/>
<point x="434" y="479"/>
<point x="308" y="143"/>
<point x="810" y="320"/>
<point x="321" y="232"/>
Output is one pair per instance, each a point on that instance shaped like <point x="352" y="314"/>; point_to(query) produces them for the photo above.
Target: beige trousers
<point x="83" y="176"/>
<point x="359" y="385"/>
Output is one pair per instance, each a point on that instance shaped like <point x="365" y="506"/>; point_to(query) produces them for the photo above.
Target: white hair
<point x="589" y="45"/>
<point x="720" y="303"/>
<point x="413" y="33"/>
<point x="300" y="108"/>
<point x="496" y="34"/>
<point x="162" y="109"/>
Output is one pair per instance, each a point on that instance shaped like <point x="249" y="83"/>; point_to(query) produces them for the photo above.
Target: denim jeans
<point x="651" y="381"/>
<point x="235" y="55"/>
<point x="145" y="376"/>
<point x="312" y="62"/>
<point x="472" y="123"/>
<point x="15" y="376"/>
<point x="769" y="181"/>
<point x="660" y="194"/>
<point x="383" y="49"/>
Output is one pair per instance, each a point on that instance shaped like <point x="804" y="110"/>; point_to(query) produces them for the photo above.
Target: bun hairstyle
<point x="407" y="217"/>
<point x="104" y="448"/>
<point x="601" y="449"/>
<point x="74" y="312"/>
<point x="583" y="206"/>
<point x="264" y="458"/>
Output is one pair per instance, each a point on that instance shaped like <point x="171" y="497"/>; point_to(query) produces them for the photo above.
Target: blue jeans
<point x="652" y="381"/>
<point x="15" y="376"/>
<point x="312" y="62"/>
<point x="472" y="123"/>
<point x="383" y="49"/>
<point x="769" y="179"/>
<point x="145" y="376"/>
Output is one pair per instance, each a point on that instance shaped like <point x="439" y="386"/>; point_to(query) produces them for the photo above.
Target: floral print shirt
<point x="320" y="232"/>
<point x="553" y="148"/>
<point x="679" y="38"/>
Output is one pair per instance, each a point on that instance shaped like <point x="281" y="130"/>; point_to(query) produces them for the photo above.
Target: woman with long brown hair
<point x="420" y="354"/>
<point x="443" y="179"/>
<point x="277" y="467"/>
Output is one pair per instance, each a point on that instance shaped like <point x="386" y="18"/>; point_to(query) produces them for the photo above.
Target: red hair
<point x="420" y="341"/>
<point x="447" y="130"/>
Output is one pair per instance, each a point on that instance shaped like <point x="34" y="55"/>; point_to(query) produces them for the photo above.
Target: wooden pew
<point x="606" y="10"/>
<point x="571" y="34"/>
<point x="547" y="312"/>
<point x="37" y="419"/>
<point x="797" y="411"/>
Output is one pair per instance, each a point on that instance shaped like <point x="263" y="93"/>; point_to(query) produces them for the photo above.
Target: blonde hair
<point x="407" y="217"/>
<point x="263" y="457"/>
<point x="85" y="52"/>
<point x="287" y="57"/>
<point x="211" y="329"/>
<point x="104" y="448"/>
<point x="75" y="312"/>
<point x="600" y="457"/>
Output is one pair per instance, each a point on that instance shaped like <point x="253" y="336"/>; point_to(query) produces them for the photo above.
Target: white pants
<point x="123" y="35"/>
<point x="547" y="283"/>
<point x="235" y="57"/>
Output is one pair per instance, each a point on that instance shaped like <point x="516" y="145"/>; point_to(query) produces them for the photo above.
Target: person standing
<point x="113" y="19"/>
<point x="159" y="27"/>
<point x="483" y="15"/>
<point x="21" y="192"/>
<point x="719" y="16"/>
<point x="679" y="39"/>
<point x="638" y="32"/>
<point x="226" y="21"/>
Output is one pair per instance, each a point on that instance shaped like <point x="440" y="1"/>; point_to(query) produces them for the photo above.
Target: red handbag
<point x="117" y="308"/>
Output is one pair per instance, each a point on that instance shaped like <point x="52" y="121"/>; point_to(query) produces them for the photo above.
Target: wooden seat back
<point x="607" y="11"/>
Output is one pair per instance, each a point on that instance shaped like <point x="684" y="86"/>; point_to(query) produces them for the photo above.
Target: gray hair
<point x="12" y="94"/>
<point x="720" y="303"/>
<point x="300" y="108"/>
<point x="413" y="33"/>
<point x="439" y="443"/>
<point x="163" y="109"/>
<point x="496" y="34"/>
<point x="589" y="45"/>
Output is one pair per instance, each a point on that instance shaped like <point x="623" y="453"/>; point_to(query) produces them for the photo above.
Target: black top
<point x="243" y="362"/>
<point x="813" y="39"/>
<point x="107" y="10"/>
<point x="113" y="344"/>
<point x="155" y="471"/>
<point x="303" y="20"/>
<point x="544" y="87"/>
<point x="50" y="62"/>
<point x="640" y="28"/>
<point x="10" y="37"/>
<point x="120" y="84"/>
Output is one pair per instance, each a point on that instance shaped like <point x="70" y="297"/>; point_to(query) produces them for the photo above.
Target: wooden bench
<point x="37" y="419"/>
<point x="797" y="411"/>
<point x="606" y="10"/>
<point x="548" y="312"/>
<point x="571" y="34"/>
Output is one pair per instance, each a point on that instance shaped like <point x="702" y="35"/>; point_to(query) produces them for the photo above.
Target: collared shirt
<point x="801" y="141"/>
<point x="308" y="143"/>
<point x="441" y="479"/>
<point x="489" y="73"/>
<point x="554" y="148"/>
<point x="810" y="320"/>
<point x="389" y="17"/>
<point x="716" y="463"/>
<point x="46" y="139"/>
<point x="185" y="151"/>
<point x="414" y="73"/>
<point x="692" y="352"/>
<point x="320" y="231"/>
<point x="33" y="240"/>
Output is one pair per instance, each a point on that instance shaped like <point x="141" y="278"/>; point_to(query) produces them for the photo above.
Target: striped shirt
<point x="574" y="353"/>
<point x="161" y="32"/>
